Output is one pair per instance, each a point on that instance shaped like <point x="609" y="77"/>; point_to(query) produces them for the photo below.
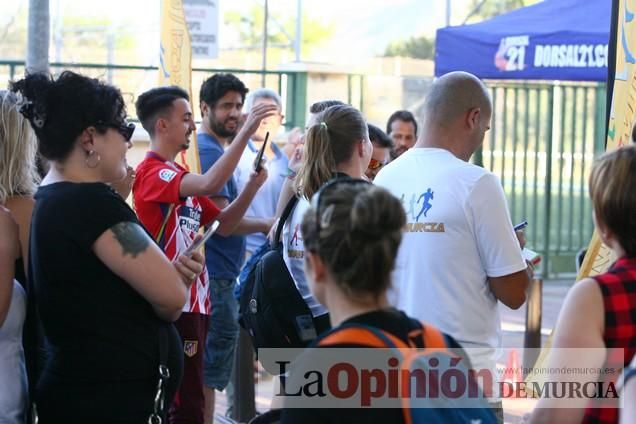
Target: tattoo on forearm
<point x="131" y="237"/>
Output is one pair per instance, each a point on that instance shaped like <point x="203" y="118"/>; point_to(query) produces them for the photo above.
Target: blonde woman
<point x="18" y="173"/>
<point x="13" y="390"/>
<point x="18" y="182"/>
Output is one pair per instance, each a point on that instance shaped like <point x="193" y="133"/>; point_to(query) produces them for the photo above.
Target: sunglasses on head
<point x="376" y="164"/>
<point x="323" y="217"/>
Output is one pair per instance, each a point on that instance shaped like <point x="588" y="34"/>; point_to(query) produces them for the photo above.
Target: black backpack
<point x="271" y="308"/>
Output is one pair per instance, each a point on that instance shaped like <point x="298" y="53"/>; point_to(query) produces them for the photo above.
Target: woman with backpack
<point x="351" y="234"/>
<point x="336" y="145"/>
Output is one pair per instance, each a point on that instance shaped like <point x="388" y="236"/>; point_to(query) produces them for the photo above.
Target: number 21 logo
<point x="516" y="58"/>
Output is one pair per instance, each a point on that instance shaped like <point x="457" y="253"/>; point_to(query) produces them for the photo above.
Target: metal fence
<point x="133" y="80"/>
<point x="542" y="143"/>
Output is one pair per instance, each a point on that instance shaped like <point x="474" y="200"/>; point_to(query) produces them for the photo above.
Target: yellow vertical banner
<point x="621" y="117"/>
<point x="175" y="66"/>
<point x="619" y="129"/>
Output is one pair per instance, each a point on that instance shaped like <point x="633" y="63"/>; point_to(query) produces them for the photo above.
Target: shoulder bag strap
<point x="284" y="217"/>
<point x="164" y="376"/>
<point x="164" y="223"/>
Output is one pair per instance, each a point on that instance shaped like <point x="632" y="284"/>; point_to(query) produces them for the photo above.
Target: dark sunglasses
<point x="376" y="164"/>
<point x="323" y="216"/>
<point x="126" y="129"/>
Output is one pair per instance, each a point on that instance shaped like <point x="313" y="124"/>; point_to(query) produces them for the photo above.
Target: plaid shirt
<point x="618" y="286"/>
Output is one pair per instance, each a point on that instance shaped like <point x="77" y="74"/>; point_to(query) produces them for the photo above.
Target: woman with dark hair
<point x="352" y="233"/>
<point x="105" y="293"/>
<point x="336" y="145"/>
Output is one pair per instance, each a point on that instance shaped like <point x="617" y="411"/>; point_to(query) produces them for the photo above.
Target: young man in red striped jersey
<point x="172" y="203"/>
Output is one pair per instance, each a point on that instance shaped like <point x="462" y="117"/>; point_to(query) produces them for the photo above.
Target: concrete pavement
<point x="513" y="326"/>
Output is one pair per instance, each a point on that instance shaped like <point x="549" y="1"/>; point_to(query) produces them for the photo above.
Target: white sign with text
<point x="202" y="17"/>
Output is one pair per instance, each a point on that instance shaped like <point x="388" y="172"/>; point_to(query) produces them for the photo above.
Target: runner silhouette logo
<point x="427" y="196"/>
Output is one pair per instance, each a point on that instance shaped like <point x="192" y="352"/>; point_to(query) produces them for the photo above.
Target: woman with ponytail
<point x="336" y="146"/>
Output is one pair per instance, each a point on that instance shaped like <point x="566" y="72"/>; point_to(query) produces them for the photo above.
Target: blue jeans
<point x="222" y="334"/>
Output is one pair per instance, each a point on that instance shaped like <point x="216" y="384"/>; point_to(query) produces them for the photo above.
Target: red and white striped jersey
<point x="156" y="188"/>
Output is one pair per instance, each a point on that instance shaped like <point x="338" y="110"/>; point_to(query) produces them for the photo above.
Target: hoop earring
<point x="93" y="159"/>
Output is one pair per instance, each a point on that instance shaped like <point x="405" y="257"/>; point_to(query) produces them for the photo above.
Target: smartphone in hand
<point x="259" y="156"/>
<point x="198" y="243"/>
<point x="531" y="256"/>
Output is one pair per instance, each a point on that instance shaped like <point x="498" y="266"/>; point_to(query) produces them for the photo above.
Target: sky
<point x="367" y="25"/>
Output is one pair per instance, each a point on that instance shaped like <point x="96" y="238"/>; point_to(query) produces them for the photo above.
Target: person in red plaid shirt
<point x="600" y="311"/>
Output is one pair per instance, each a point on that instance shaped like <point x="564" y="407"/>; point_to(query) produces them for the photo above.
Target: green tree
<point x="86" y="39"/>
<point x="484" y="9"/>
<point x="416" y="47"/>
<point x="280" y="30"/>
<point x="13" y="34"/>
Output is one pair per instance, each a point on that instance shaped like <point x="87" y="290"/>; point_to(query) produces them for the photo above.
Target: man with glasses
<point x="382" y="146"/>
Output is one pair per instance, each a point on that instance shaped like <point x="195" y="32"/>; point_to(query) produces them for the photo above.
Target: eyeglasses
<point x="323" y="219"/>
<point x="376" y="164"/>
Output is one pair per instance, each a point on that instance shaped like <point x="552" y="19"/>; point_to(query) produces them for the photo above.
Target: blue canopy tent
<point x="551" y="40"/>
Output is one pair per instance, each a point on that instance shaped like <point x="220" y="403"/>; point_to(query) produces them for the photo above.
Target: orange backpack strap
<point x="430" y="335"/>
<point x="433" y="338"/>
<point x="359" y="335"/>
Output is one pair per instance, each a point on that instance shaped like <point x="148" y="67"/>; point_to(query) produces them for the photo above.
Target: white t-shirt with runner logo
<point x="458" y="233"/>
<point x="294" y="255"/>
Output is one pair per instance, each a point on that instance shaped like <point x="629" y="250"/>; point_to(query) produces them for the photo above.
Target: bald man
<point x="459" y="254"/>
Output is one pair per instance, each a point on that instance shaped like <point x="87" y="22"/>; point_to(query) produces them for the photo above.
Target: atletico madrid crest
<point x="190" y="347"/>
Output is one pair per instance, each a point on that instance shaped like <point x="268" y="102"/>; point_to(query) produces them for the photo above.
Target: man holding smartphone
<point x="172" y="204"/>
<point x="222" y="97"/>
<point x="460" y="255"/>
<point x="265" y="201"/>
